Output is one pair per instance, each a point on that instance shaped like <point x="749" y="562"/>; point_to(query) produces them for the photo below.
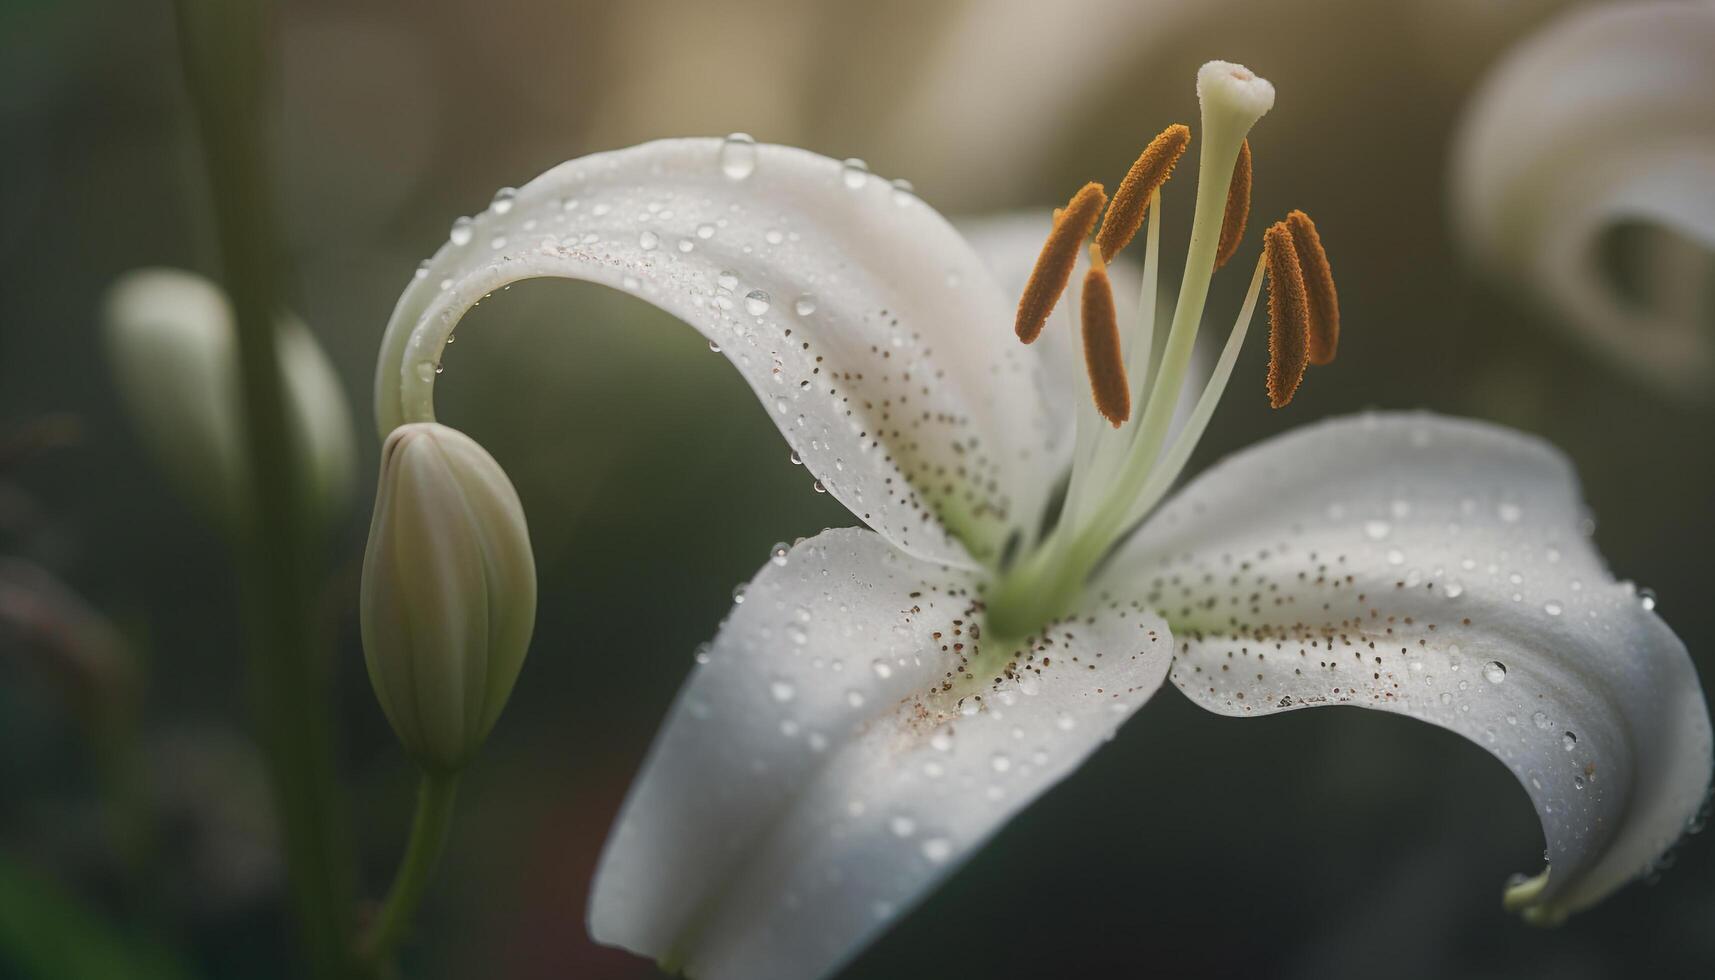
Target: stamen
<point x="1059" y="254"/>
<point x="1319" y="288"/>
<point x="1238" y="207"/>
<point x="1152" y="168"/>
<point x="1102" y="356"/>
<point x="1288" y="316"/>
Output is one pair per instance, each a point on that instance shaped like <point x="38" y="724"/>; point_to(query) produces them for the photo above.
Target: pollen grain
<point x="1238" y="207"/>
<point x="1131" y="202"/>
<point x="1324" y="303"/>
<point x="1102" y="357"/>
<point x="1059" y="254"/>
<point x="1288" y="316"/>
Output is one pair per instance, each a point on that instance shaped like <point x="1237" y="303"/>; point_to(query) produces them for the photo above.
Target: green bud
<point x="173" y="348"/>
<point x="449" y="592"/>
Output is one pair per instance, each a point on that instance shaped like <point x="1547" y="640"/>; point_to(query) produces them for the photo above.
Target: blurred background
<point x="135" y="829"/>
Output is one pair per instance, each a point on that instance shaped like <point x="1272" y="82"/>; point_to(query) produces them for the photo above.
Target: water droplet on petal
<point x="854" y="697"/>
<point x="805" y="305"/>
<point x="882" y="669"/>
<point x="1509" y="513"/>
<point x="461" y="233"/>
<point x="902" y="826"/>
<point x="903" y="192"/>
<point x="1000" y="762"/>
<point x="756" y="302"/>
<point x="503" y="199"/>
<point x="778" y="553"/>
<point x="1646" y="598"/>
<point x="426" y="370"/>
<point x="1552" y="608"/>
<point x="782" y="690"/>
<point x="648" y="241"/>
<point x="738" y="594"/>
<point x="854" y="172"/>
<point x="714" y="347"/>
<point x="1568" y="741"/>
<point x="738" y="156"/>
<point x="1494" y="672"/>
<point x="1377" y="530"/>
<point x="937" y="849"/>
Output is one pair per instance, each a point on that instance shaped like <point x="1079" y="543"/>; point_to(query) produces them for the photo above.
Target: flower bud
<point x="172" y="345"/>
<point x="449" y="592"/>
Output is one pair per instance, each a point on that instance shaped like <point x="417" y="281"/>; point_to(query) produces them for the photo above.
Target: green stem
<point x="423" y="851"/>
<point x="224" y="52"/>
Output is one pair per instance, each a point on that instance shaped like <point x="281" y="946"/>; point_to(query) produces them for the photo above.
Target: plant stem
<point x="224" y="53"/>
<point x="429" y="827"/>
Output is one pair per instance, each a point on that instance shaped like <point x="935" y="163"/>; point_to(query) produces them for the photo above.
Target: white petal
<point x="871" y="332"/>
<point x="1603" y="120"/>
<point x="813" y="781"/>
<point x="1437" y="568"/>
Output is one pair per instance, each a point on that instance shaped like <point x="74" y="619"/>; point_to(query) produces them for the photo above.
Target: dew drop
<point x="1000" y="762"/>
<point x="738" y="156"/>
<point x="714" y="347"/>
<point x="648" y="241"/>
<point x="686" y="245"/>
<point x="1568" y="741"/>
<point x="941" y="741"/>
<point x="778" y="553"/>
<point x="738" y="594"/>
<point x="805" y="305"/>
<point x="903" y="192"/>
<point x="1552" y="608"/>
<point x="795" y="459"/>
<point x="727" y="279"/>
<point x="756" y="302"/>
<point x="1377" y="530"/>
<point x="854" y="697"/>
<point x="854" y="172"/>
<point x="882" y="670"/>
<point x="1510" y="513"/>
<point x="1452" y="589"/>
<point x="819" y="487"/>
<point x="1541" y="721"/>
<point x="902" y="826"/>
<point x="461" y="233"/>
<point x="1646" y="598"/>
<point x="1494" y="672"/>
<point x="782" y="690"/>
<point x="1065" y="722"/>
<point x="503" y="199"/>
<point x="937" y="849"/>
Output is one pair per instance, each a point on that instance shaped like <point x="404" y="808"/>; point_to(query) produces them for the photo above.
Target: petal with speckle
<point x="1437" y="568"/>
<point x="817" y="776"/>
<point x="871" y="332"/>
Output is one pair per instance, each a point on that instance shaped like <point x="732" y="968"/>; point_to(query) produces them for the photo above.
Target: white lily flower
<point x="881" y="701"/>
<point x="1603" y="123"/>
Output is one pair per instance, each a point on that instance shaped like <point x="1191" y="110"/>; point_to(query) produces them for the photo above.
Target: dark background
<point x="1323" y="843"/>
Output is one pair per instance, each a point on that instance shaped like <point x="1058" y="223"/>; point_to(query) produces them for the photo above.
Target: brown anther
<point x="1102" y="356"/>
<point x="1059" y="254"/>
<point x="1319" y="288"/>
<point x="1288" y="316"/>
<point x="1238" y="207"/>
<point x="1131" y="202"/>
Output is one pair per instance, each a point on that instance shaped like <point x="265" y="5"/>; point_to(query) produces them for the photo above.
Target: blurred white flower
<point x="1596" y="138"/>
<point x="449" y="592"/>
<point x="172" y="347"/>
<point x="880" y="702"/>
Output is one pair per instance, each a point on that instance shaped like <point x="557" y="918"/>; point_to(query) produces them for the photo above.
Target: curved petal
<point x="816" y="778"/>
<point x="870" y="330"/>
<point x="1437" y="568"/>
<point x="1602" y="121"/>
